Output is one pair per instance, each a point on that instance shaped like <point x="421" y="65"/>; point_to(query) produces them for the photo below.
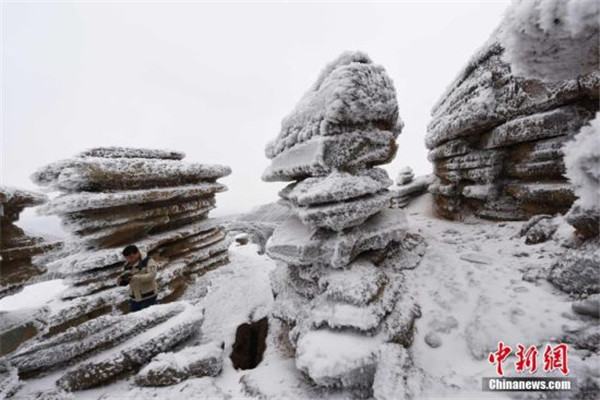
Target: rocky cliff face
<point x="339" y="285"/>
<point x="16" y="248"/>
<point x="496" y="139"/>
<point x="112" y="197"/>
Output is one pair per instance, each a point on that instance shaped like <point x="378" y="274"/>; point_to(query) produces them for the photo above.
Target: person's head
<point x="131" y="253"/>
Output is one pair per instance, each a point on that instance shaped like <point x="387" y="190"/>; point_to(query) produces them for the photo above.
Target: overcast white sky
<point x="212" y="79"/>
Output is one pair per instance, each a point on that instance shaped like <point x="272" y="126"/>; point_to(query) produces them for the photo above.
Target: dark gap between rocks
<point x="250" y="344"/>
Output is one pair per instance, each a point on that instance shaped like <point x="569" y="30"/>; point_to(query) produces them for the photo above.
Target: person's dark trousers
<point x="140" y="305"/>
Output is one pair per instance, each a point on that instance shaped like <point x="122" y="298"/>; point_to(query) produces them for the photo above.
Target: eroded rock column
<point x="339" y="284"/>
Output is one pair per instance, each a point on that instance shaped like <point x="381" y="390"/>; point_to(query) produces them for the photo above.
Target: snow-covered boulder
<point x="577" y="270"/>
<point x="539" y="229"/>
<point x="17" y="248"/>
<point x="504" y="133"/>
<point x="191" y="362"/>
<point x="339" y="287"/>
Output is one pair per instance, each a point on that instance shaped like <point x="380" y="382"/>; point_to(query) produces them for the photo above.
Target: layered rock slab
<point x="505" y="131"/>
<point x="112" y="197"/>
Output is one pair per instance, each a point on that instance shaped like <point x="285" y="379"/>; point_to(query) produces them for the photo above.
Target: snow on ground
<point x="472" y="294"/>
<point x="470" y="288"/>
<point x="34" y="296"/>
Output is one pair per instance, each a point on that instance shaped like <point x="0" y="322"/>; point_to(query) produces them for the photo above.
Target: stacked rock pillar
<point x="339" y="284"/>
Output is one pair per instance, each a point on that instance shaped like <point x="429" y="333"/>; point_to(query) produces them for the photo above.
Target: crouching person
<point x="139" y="272"/>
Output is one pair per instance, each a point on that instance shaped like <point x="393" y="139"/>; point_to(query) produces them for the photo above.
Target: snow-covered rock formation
<point x="16" y="248"/>
<point x="403" y="194"/>
<point x="105" y="348"/>
<point x="496" y="138"/>
<point x="339" y="284"/>
<point x="553" y="40"/>
<point x="113" y="197"/>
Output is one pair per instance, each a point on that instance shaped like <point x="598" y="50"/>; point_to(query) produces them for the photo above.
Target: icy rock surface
<point x="16" y="247"/>
<point x="169" y="223"/>
<point x="97" y="174"/>
<point x="504" y="132"/>
<point x="127" y="152"/>
<point x="339" y="286"/>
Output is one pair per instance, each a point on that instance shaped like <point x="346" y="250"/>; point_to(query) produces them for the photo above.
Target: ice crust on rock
<point x="582" y="160"/>
<point x="339" y="285"/>
<point x="130" y="152"/>
<point x="297" y="244"/>
<point x="96" y="174"/>
<point x="131" y="355"/>
<point x="322" y="155"/>
<point x="336" y="187"/>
